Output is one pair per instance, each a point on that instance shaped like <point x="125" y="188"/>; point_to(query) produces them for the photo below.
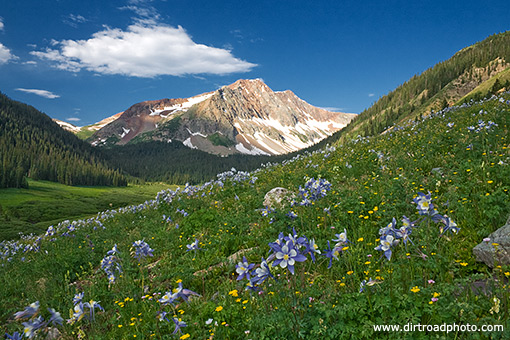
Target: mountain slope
<point x="84" y="132"/>
<point x="32" y="145"/>
<point x="444" y="84"/>
<point x="244" y="117"/>
<point x="347" y="272"/>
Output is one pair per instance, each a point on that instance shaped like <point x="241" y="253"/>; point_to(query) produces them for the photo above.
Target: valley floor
<point x="44" y="203"/>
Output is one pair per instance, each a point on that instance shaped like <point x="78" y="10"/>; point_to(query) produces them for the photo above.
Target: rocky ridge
<point x="244" y="117"/>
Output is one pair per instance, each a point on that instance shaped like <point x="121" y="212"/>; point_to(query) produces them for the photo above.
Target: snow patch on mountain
<point x="254" y="150"/>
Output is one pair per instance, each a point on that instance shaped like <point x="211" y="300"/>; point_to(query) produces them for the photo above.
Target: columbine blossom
<point x="405" y="231"/>
<point x="14" y="336"/>
<point x="55" y="317"/>
<point x="171" y="297"/>
<point x="32" y="326"/>
<point x="28" y="312"/>
<point x="390" y="229"/>
<point x="295" y="239"/>
<point x="331" y="254"/>
<point x="78" y="313"/>
<point x="184" y="293"/>
<point x="92" y="305"/>
<point x="178" y="325"/>
<point x="262" y="273"/>
<point x="168" y="299"/>
<point x="243" y="269"/>
<point x="110" y="264"/>
<point x="77" y="298"/>
<point x="425" y="206"/>
<point x="287" y="256"/>
<point x="449" y="225"/>
<point x="313" y="190"/>
<point x="142" y="250"/>
<point x="162" y="316"/>
<point x="312" y="249"/>
<point x="387" y="242"/>
<point x="341" y="238"/>
<point x="193" y="246"/>
<point x="292" y="215"/>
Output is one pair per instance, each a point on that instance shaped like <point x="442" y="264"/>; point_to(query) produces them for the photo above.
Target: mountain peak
<point x="244" y="117"/>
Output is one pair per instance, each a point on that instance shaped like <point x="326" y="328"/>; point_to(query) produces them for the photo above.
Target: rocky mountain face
<point x="88" y="128"/>
<point x="244" y="117"/>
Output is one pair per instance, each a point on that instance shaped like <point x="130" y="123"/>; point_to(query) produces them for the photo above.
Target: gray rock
<point x="278" y="198"/>
<point x="495" y="251"/>
<point x="53" y="333"/>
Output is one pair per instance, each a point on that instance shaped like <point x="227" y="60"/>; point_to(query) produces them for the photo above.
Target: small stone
<point x="497" y="251"/>
<point x="278" y="198"/>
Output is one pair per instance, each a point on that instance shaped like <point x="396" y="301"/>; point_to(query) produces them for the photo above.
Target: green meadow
<point x="380" y="232"/>
<point x="44" y="203"/>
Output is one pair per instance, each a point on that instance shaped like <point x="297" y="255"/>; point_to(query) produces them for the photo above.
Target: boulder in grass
<point x="278" y="198"/>
<point x="495" y="249"/>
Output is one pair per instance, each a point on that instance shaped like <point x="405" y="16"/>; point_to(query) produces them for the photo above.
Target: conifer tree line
<point x="417" y="92"/>
<point x="176" y="163"/>
<point x="32" y="145"/>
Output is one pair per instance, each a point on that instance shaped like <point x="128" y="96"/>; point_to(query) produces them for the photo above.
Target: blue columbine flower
<point x="262" y="273"/>
<point x="331" y="254"/>
<point x="425" y="207"/>
<point x="390" y="229"/>
<point x="168" y="299"/>
<point x="55" y="317"/>
<point x="362" y="286"/>
<point x="32" y="326"/>
<point x="162" y="316"/>
<point x="184" y="293"/>
<point x="77" y="298"/>
<point x="28" y="312"/>
<point x="178" y="325"/>
<point x="193" y="246"/>
<point x="295" y="239"/>
<point x="92" y="305"/>
<point x="142" y="250"/>
<point x="292" y="215"/>
<point x="449" y="225"/>
<point x="387" y="242"/>
<point x="111" y="263"/>
<point x="14" y="336"/>
<point x="405" y="231"/>
<point x="341" y="238"/>
<point x="78" y="313"/>
<point x="287" y="256"/>
<point x="312" y="249"/>
<point x="243" y="269"/>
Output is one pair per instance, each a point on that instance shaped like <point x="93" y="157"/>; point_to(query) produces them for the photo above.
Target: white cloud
<point x="1" y="24"/>
<point x="73" y="20"/>
<point x="5" y="54"/>
<point x="371" y="94"/>
<point x="42" y="93"/>
<point x="331" y="109"/>
<point x="143" y="51"/>
<point x="73" y="119"/>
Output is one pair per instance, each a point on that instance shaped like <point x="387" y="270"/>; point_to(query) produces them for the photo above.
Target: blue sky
<point x="82" y="61"/>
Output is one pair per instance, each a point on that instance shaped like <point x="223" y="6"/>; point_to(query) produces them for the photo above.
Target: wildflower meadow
<point x="378" y="230"/>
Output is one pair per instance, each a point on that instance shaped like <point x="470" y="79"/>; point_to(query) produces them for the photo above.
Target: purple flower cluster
<point x="111" y="263"/>
<point x="170" y="297"/>
<point x="313" y="190"/>
<point x="142" y="250"/>
<point x="35" y="322"/>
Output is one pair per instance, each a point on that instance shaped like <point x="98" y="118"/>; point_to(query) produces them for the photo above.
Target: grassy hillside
<point x="494" y="84"/>
<point x="440" y="86"/>
<point x="44" y="203"/>
<point x="194" y="237"/>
